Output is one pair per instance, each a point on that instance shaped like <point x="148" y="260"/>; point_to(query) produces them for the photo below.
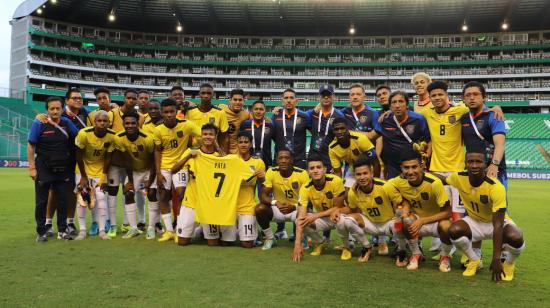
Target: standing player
<point x="143" y="104"/>
<point x="485" y="201"/>
<point x="360" y="118"/>
<point x="138" y="148"/>
<point x="93" y="144"/>
<point x="425" y="209"/>
<point x="171" y="140"/>
<point x="155" y="118"/>
<point x="279" y="195"/>
<point x="420" y="82"/>
<point x="235" y="116"/>
<point x="178" y="95"/>
<point x="246" y="200"/>
<point x="103" y="99"/>
<point x="325" y="194"/>
<point x="262" y="132"/>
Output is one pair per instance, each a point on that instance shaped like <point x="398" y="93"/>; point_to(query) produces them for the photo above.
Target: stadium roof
<point x="298" y="17"/>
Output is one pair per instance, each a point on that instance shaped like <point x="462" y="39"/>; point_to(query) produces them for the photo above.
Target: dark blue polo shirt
<point x="364" y="121"/>
<point x="324" y="135"/>
<point x="297" y="140"/>
<point x="257" y="150"/>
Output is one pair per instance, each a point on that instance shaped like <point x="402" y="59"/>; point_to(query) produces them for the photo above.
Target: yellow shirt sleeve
<point x="81" y="141"/>
<point x="334" y="159"/>
<point x="224" y="124"/>
<point x="303" y="200"/>
<point x="498" y="196"/>
<point x="453" y="180"/>
<point x="365" y="144"/>
<point x="268" y="183"/>
<point x="393" y="194"/>
<point x="441" y="196"/>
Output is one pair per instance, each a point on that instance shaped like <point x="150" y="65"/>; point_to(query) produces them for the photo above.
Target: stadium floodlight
<point x="504" y="26"/>
<point x="464" y="27"/>
<point x="179" y="27"/>
<point x="53" y="1"/>
<point x="352" y="29"/>
<point x="112" y="17"/>
<point x="39" y="11"/>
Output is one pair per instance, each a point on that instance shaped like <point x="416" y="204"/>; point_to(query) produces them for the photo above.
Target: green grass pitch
<point x="138" y="272"/>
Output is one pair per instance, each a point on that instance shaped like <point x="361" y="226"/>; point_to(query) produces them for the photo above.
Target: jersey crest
<point x="484" y="199"/>
<point x="425" y="196"/>
<point x="329" y="195"/>
<point x="378" y="200"/>
<point x="452" y="119"/>
<point x="179" y="134"/>
<point x="295" y="185"/>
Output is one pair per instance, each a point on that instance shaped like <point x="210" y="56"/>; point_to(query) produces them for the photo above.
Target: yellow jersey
<point x="140" y="150"/>
<point x="149" y="128"/>
<point x="218" y="180"/>
<point x="174" y="141"/>
<point x="190" y="199"/>
<point x="95" y="149"/>
<point x="91" y="118"/>
<point x="214" y="116"/>
<point x="446" y="135"/>
<point x="234" y="120"/>
<point x="286" y="189"/>
<point x="118" y="125"/>
<point x="482" y="201"/>
<point x="146" y="117"/>
<point x="375" y="205"/>
<point x="322" y="200"/>
<point x="246" y="200"/>
<point x="360" y="145"/>
<point x="426" y="199"/>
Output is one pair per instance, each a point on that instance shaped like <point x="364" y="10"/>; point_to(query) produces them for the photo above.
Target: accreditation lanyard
<point x="252" y="128"/>
<point x="293" y="125"/>
<point x="69" y="112"/>
<point x="328" y="122"/>
<point x="402" y="130"/>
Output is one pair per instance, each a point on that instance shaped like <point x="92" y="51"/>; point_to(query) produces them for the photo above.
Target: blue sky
<point x="8" y="7"/>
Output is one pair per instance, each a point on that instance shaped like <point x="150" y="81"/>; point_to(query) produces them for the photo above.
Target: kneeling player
<point x="325" y="194"/>
<point x="426" y="209"/>
<point x="246" y="201"/>
<point x="368" y="211"/>
<point x="485" y="202"/>
<point x="279" y="195"/>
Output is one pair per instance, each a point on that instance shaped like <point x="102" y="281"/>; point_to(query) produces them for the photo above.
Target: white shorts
<point x="247" y="227"/>
<point x="116" y="176"/>
<point x="280" y="217"/>
<point x="483" y="230"/>
<point x="178" y="179"/>
<point x="211" y="232"/>
<point x="429" y="230"/>
<point x="454" y="197"/>
<point x="374" y="228"/>
<point x="349" y="178"/>
<point x="186" y="222"/>
<point x="140" y="179"/>
<point x="323" y="224"/>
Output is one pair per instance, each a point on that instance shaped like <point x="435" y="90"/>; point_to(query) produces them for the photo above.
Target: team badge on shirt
<point x="180" y="134"/>
<point x="378" y="200"/>
<point x="484" y="199"/>
<point x="452" y="119"/>
<point x="425" y="196"/>
<point x="363" y="119"/>
<point x="479" y="124"/>
<point x="295" y="185"/>
<point x="409" y="129"/>
<point x="329" y="195"/>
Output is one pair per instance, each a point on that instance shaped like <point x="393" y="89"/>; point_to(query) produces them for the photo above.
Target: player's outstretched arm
<point x="158" y="159"/>
<point x="498" y="230"/>
<point x="298" y="252"/>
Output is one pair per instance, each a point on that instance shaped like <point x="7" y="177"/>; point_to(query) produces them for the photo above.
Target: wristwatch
<point x="495" y="162"/>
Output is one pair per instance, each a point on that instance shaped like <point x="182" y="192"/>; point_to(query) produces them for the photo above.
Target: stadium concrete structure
<point x="267" y="46"/>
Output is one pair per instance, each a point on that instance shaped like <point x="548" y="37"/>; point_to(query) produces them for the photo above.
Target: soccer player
<point x="130" y="102"/>
<point x="103" y="99"/>
<point x="93" y="144"/>
<point x="348" y="146"/>
<point x="235" y="116"/>
<point x="246" y="200"/>
<point x="291" y="126"/>
<point x="138" y="148"/>
<point x="360" y="117"/>
<point x="485" y="201"/>
<point x="171" y="140"/>
<point x="206" y="112"/>
<point x="283" y="182"/>
<point x="262" y="132"/>
<point x="321" y="124"/>
<point x="420" y="82"/>
<point x="325" y="194"/>
<point x="425" y="209"/>
<point x="143" y="104"/>
<point x="155" y="118"/>
<point x="186" y="218"/>
<point x="368" y="211"/>
<point x="400" y="131"/>
<point x="178" y="95"/>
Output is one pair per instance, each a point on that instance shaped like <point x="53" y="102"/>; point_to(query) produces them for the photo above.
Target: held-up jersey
<point x="246" y="200"/>
<point x="446" y="134"/>
<point x="218" y="180"/>
<point x="95" y="149"/>
<point x="234" y="120"/>
<point x="360" y="145"/>
<point x="190" y="199"/>
<point x="286" y="189"/>
<point x="376" y="205"/>
<point x="140" y="150"/>
<point x="174" y="141"/>
<point x="323" y="199"/>
<point x="482" y="201"/>
<point x="425" y="199"/>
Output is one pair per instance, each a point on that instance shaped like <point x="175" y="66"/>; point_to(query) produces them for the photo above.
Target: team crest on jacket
<point x="425" y="196"/>
<point x="179" y="134"/>
<point x="452" y="119"/>
<point x="363" y="119"/>
<point x="295" y="185"/>
<point x="329" y="195"/>
<point x="484" y="199"/>
<point x="409" y="129"/>
<point x="378" y="200"/>
<point x="479" y="124"/>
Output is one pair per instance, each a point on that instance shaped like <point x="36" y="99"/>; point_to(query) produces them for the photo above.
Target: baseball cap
<point x="326" y="88"/>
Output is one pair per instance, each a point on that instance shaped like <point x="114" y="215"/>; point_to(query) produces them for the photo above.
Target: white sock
<point x="81" y="212"/>
<point x="154" y="213"/>
<point x="358" y="234"/>
<point x="111" y="201"/>
<point x="513" y="252"/>
<point x="477" y="251"/>
<point x="94" y="211"/>
<point x="415" y="248"/>
<point x="167" y="219"/>
<point x="140" y="202"/>
<point x="399" y="238"/>
<point x="445" y="249"/>
<point x="268" y="234"/>
<point x="130" y="213"/>
<point x="124" y="218"/>
<point x="49" y="221"/>
<point x="465" y="245"/>
<point x="313" y="235"/>
<point x="101" y="209"/>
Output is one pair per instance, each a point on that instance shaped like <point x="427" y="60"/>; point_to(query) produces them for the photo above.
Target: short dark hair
<point x="174" y="88"/>
<point x="154" y="101"/>
<point x="53" y="99"/>
<point x="382" y="86"/>
<point x="477" y="84"/>
<point x="144" y="91"/>
<point x="410" y="154"/>
<point x="246" y="134"/>
<point x="438" y="84"/>
<point x="339" y="121"/>
<point x="131" y="114"/>
<point x="71" y="89"/>
<point x="168" y="102"/>
<point x="236" y="92"/>
<point x="362" y="161"/>
<point x="102" y="90"/>
<point x="399" y="92"/>
<point x="210" y="126"/>
<point x="206" y="85"/>
<point x="289" y="90"/>
<point x="130" y="91"/>
<point x="258" y="102"/>
<point x="314" y="156"/>
<point x="285" y="150"/>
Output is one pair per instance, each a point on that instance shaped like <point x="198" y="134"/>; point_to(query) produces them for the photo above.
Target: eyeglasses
<point x="76" y="98"/>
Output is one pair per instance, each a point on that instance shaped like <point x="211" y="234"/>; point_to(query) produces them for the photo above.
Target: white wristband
<point x="273" y="202"/>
